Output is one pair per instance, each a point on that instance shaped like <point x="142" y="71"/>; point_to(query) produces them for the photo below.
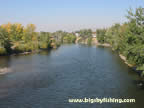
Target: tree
<point x="101" y="35"/>
<point x="44" y="40"/>
<point x="4" y="40"/>
<point x="85" y="33"/>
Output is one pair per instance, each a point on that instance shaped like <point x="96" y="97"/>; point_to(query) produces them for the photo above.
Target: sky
<point x="66" y="15"/>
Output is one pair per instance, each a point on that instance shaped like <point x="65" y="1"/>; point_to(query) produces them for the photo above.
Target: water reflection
<point x="5" y="61"/>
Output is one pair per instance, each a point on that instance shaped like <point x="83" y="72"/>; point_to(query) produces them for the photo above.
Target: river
<point x="49" y="79"/>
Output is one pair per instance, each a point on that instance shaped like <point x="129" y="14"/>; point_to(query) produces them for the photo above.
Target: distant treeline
<point x="15" y="38"/>
<point x="127" y="38"/>
<point x="85" y="36"/>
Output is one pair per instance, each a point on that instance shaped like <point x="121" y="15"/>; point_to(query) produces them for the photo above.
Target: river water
<point x="49" y="79"/>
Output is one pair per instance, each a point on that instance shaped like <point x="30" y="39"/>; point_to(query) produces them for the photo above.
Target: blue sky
<point x="68" y="15"/>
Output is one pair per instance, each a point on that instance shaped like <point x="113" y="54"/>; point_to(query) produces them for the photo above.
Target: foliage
<point x="101" y="35"/>
<point x="3" y="51"/>
<point x="5" y="42"/>
<point x="15" y="38"/>
<point x="44" y="40"/>
<point x="128" y="38"/>
<point x="64" y="37"/>
<point x="69" y="38"/>
<point x="85" y="33"/>
<point x="89" y="41"/>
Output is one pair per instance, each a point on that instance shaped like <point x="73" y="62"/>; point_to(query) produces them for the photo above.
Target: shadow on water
<point x="5" y="61"/>
<point x="45" y="52"/>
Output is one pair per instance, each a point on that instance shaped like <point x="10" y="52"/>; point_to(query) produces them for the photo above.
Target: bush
<point x="3" y="51"/>
<point x="89" y="41"/>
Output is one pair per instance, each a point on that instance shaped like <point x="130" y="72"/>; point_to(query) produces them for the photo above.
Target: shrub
<point x="3" y="51"/>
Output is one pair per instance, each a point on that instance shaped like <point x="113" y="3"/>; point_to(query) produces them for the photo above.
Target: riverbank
<point x="95" y="42"/>
<point x="125" y="60"/>
<point x="23" y="53"/>
<point x="18" y="52"/>
<point x="120" y="55"/>
<point x="104" y="45"/>
<point x="108" y="45"/>
<point x="133" y="67"/>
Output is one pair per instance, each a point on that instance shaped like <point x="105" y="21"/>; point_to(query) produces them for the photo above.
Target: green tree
<point x="5" y="43"/>
<point x="101" y="35"/>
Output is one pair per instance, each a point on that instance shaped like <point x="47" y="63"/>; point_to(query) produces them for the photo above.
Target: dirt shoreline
<point x="134" y="68"/>
<point x="125" y="61"/>
<point x="120" y="55"/>
<point x="24" y="53"/>
<point x="104" y="45"/>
